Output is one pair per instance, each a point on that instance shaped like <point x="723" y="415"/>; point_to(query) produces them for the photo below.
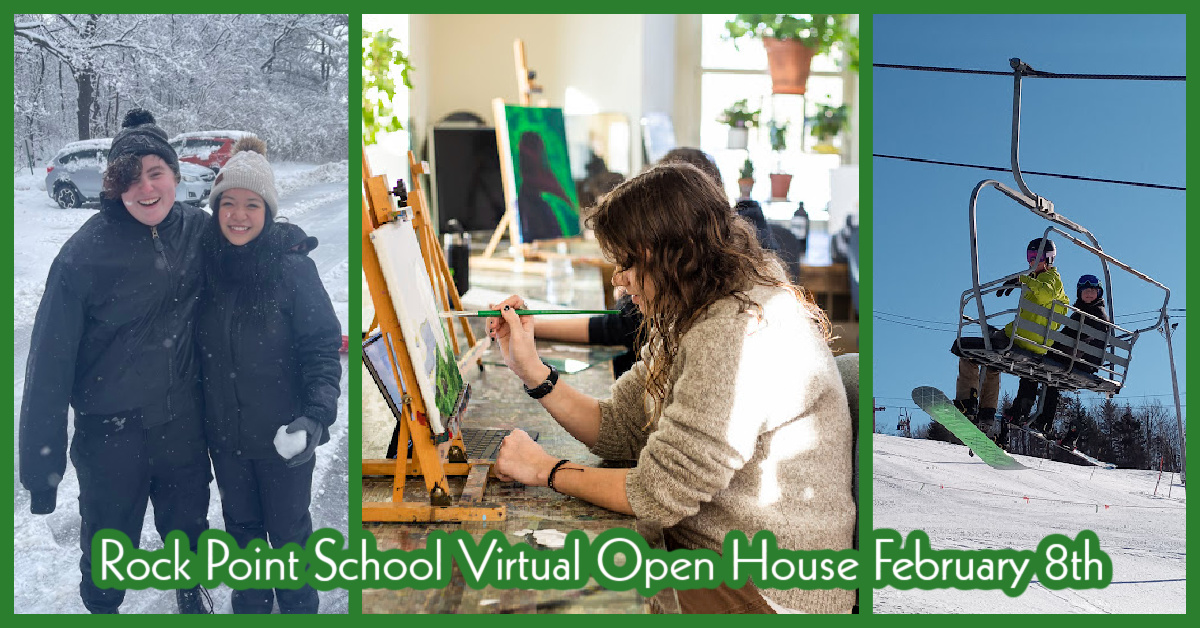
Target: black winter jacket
<point x="113" y="336"/>
<point x="752" y="211"/>
<point x="265" y="368"/>
<point x="1093" y="331"/>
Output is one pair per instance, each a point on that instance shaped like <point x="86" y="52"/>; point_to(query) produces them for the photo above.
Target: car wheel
<point x="67" y="196"/>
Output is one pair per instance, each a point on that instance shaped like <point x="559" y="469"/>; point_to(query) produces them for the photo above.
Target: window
<point x="730" y="73"/>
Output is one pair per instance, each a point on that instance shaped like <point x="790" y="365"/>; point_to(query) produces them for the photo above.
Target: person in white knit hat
<point x="268" y="339"/>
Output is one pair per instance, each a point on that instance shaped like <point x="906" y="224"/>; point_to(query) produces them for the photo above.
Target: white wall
<point x="585" y="63"/>
<point x="686" y="114"/>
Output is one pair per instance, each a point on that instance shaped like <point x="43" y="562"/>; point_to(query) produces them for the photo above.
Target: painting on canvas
<point x="537" y="171"/>
<point x="424" y="332"/>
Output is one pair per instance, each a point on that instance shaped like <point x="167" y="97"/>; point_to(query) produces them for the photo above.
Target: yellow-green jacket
<point x="1044" y="289"/>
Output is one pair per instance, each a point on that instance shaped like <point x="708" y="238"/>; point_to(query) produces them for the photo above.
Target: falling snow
<point x="46" y="547"/>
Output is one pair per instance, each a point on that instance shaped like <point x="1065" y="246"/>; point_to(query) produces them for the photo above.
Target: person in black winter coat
<point x="1089" y="299"/>
<point x="113" y="339"/>
<point x="269" y="339"/>
<point x="1094" y="327"/>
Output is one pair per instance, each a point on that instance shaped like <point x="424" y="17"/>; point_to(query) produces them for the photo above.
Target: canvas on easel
<point x="423" y="330"/>
<point x="409" y="281"/>
<point x="536" y="171"/>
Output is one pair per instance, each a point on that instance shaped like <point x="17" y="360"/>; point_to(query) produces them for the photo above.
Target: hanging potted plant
<point x="791" y="41"/>
<point x="827" y="125"/>
<point x="739" y="118"/>
<point x="780" y="181"/>
<point x="746" y="179"/>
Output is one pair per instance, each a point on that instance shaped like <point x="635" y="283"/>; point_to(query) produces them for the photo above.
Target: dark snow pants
<point x="265" y="499"/>
<point x="1026" y="399"/>
<point x="122" y="465"/>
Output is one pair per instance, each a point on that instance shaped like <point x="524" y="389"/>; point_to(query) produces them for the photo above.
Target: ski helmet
<point x="1031" y="251"/>
<point x="1089" y="281"/>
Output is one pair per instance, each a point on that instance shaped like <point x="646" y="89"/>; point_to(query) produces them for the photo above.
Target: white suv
<point x="75" y="175"/>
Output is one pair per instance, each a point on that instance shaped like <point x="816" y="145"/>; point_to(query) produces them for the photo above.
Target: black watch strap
<point x="543" y="389"/>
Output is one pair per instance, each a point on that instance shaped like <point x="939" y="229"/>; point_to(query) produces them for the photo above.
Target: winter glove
<point x="43" y="502"/>
<point x="1014" y="282"/>
<point x="289" y="440"/>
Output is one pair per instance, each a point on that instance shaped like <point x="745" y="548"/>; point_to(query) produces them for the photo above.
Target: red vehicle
<point x="210" y="149"/>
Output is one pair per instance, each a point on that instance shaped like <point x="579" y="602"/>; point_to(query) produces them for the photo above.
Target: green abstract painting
<point x="547" y="206"/>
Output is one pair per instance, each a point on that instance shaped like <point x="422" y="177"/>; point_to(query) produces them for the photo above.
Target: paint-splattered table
<point x="497" y="401"/>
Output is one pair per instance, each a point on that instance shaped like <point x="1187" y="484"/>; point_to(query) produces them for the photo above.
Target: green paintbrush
<point x="496" y="313"/>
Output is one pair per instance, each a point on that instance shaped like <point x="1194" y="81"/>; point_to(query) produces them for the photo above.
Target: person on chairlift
<point x="1089" y="293"/>
<point x="1045" y="288"/>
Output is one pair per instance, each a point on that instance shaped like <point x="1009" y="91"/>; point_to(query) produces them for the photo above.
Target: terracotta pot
<point x="789" y="62"/>
<point x="779" y="186"/>
<point x="744" y="187"/>
<point x="739" y="137"/>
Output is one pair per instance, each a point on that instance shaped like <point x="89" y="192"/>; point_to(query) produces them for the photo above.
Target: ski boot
<point x="1002" y="436"/>
<point x="986" y="420"/>
<point x="969" y="406"/>
<point x="1042" y="430"/>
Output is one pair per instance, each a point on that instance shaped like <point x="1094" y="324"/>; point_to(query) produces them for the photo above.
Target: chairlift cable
<point x="1035" y="73"/>
<point x="919" y="320"/>
<point x="1073" y="177"/>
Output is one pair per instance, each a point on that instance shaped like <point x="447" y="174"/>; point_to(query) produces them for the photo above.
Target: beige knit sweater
<point x="755" y="435"/>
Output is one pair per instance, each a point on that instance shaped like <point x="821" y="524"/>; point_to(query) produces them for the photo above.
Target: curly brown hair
<point x="123" y="172"/>
<point x="672" y="224"/>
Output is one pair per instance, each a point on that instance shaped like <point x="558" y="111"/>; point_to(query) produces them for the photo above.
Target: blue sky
<point x="1127" y="130"/>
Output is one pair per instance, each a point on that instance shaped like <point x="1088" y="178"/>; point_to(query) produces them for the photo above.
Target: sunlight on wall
<point x="576" y="103"/>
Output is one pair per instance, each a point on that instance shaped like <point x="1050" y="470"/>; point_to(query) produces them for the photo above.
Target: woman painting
<point x="736" y="413"/>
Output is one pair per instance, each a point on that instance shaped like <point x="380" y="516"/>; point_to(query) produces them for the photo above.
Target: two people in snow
<point x="185" y="344"/>
<point x="1043" y="287"/>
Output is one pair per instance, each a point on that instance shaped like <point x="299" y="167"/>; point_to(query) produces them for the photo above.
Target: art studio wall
<point x="586" y="64"/>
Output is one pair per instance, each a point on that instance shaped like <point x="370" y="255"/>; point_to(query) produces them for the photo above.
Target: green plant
<point x="379" y="56"/>
<point x="829" y="121"/>
<point x="819" y="31"/>
<point x="747" y="171"/>
<point x="739" y="114"/>
<point x="778" y="133"/>
<point x="852" y="52"/>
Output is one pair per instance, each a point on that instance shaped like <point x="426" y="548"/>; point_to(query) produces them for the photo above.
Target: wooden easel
<point x="428" y="460"/>
<point x="526" y="88"/>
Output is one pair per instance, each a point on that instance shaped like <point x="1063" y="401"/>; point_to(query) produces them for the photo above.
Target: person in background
<point x="622" y="328"/>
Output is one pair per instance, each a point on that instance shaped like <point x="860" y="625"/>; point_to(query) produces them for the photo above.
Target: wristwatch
<point x="543" y="389"/>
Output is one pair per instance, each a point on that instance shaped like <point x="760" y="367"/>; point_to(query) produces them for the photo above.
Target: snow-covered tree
<point x="283" y="77"/>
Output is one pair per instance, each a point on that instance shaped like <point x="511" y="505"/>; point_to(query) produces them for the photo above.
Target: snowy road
<point x="46" y="548"/>
<point x="964" y="504"/>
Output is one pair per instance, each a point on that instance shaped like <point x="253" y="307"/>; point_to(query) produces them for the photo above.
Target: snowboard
<point x="938" y="406"/>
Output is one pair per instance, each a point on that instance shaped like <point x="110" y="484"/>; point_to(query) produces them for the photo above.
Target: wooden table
<point x="498" y="401"/>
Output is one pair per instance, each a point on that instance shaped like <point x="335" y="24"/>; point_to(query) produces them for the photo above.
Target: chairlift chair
<point x="1064" y="347"/>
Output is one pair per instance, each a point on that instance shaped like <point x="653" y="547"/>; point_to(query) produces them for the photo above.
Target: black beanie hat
<point x="140" y="136"/>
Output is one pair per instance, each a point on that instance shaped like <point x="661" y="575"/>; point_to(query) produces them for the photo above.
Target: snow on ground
<point x="964" y="504"/>
<point x="46" y="548"/>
